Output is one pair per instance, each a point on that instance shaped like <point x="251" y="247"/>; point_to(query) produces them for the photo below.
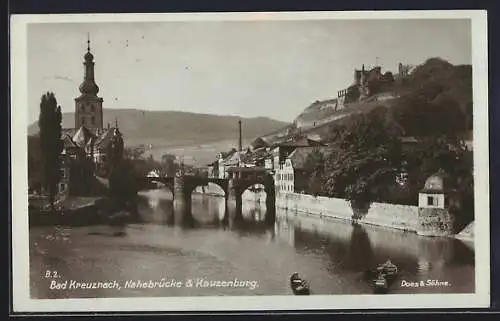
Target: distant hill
<point x="174" y="128"/>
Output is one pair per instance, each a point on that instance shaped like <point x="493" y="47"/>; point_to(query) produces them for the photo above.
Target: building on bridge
<point x="88" y="142"/>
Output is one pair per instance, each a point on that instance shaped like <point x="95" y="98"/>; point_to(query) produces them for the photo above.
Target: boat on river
<point x="298" y="285"/>
<point x="388" y="268"/>
<point x="383" y="276"/>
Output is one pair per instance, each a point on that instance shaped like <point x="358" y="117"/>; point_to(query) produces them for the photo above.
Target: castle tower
<point x="357" y="77"/>
<point x="363" y="75"/>
<point x="88" y="106"/>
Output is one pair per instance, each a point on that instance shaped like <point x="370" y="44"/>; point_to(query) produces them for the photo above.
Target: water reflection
<point x="346" y="247"/>
<point x="330" y="254"/>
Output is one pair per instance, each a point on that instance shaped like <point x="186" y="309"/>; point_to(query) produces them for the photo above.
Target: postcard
<point x="255" y="161"/>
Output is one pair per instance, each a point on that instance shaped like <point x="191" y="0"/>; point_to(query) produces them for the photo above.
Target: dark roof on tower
<point x="88" y="86"/>
<point x="88" y="56"/>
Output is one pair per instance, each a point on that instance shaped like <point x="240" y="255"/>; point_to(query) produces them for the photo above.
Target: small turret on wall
<point x="433" y="214"/>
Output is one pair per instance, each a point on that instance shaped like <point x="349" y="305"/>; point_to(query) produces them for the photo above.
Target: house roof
<point x="82" y="136"/>
<point x="299" y="142"/>
<point x="247" y="169"/>
<point x="258" y="155"/>
<point x="436" y="183"/>
<point x="68" y="142"/>
<point x="259" y="142"/>
<point x="299" y="156"/>
<point x="227" y="155"/>
<point x="103" y="141"/>
<point x="68" y="131"/>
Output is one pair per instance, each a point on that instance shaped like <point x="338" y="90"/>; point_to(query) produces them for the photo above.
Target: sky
<point x="246" y="68"/>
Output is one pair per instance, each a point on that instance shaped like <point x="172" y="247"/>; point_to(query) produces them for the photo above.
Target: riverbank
<point x="75" y="210"/>
<point x="467" y="235"/>
<point x="330" y="254"/>
<point x="393" y="216"/>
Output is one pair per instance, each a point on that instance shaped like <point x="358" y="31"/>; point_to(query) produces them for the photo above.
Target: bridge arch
<point x="210" y="189"/>
<point x="254" y="207"/>
<point x="164" y="186"/>
<point x="244" y="185"/>
<point x="149" y="183"/>
<point x="193" y="182"/>
<point x="207" y="203"/>
<point x="255" y="192"/>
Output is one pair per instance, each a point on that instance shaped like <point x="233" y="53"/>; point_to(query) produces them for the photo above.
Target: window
<point x="92" y="108"/>
<point x="82" y="107"/>
<point x="431" y="200"/>
<point x="62" y="187"/>
<point x="63" y="173"/>
<point x="83" y="121"/>
<point x="92" y="119"/>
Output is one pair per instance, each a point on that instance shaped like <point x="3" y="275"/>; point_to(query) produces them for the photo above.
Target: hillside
<point x="435" y="97"/>
<point x="171" y="128"/>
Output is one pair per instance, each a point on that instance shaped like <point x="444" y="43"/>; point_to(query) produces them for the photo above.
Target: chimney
<point x="240" y="147"/>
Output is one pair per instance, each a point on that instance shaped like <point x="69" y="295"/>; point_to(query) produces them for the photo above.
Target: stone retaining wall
<point x="396" y="216"/>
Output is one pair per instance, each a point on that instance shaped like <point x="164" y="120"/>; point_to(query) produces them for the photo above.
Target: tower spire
<point x="116" y="122"/>
<point x="88" y="42"/>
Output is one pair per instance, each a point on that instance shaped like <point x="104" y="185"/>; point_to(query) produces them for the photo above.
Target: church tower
<point x="88" y="106"/>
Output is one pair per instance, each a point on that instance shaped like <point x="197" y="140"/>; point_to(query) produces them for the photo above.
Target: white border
<point x="20" y="248"/>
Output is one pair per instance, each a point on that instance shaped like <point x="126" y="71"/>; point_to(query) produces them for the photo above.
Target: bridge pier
<point x="233" y="200"/>
<point x="270" y="203"/>
<point x="182" y="202"/>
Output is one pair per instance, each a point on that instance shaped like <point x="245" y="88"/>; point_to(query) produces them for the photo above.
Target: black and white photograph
<point x="269" y="161"/>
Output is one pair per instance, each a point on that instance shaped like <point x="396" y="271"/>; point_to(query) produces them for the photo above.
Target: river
<point x="248" y="258"/>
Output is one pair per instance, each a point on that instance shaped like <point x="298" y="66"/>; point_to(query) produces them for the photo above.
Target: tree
<point x="123" y="174"/>
<point x="314" y="171"/>
<point x="368" y="159"/>
<point x="440" y="153"/>
<point x="388" y="77"/>
<point x="35" y="177"/>
<point x="168" y="164"/>
<point x="51" y="144"/>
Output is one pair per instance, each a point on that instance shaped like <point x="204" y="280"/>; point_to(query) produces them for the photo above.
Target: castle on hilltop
<point x="366" y="83"/>
<point x="369" y="85"/>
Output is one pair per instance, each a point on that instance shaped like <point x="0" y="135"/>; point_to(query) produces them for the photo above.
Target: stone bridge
<point x="239" y="179"/>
